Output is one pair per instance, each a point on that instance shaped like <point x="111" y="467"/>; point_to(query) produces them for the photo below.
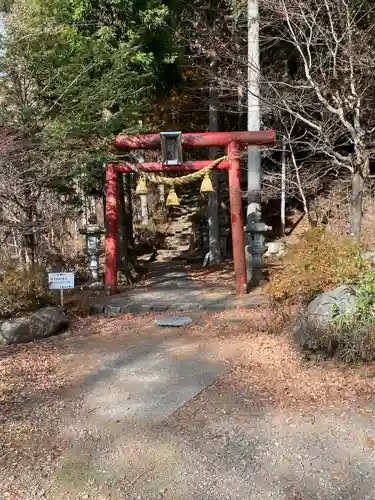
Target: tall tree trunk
<point x="213" y="205"/>
<point x="144" y="209"/>
<point x="358" y="184"/>
<point x="241" y="102"/>
<point x="29" y="235"/>
<point x="283" y="189"/>
<point x="122" y="244"/>
<point x="161" y="189"/>
<point x="143" y="197"/>
<point x="125" y="260"/>
<point x="129" y="210"/>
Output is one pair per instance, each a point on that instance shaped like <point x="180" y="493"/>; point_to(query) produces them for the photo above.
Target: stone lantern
<point x="256" y="231"/>
<point x="93" y="232"/>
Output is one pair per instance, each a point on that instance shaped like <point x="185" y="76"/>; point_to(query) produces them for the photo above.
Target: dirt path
<point x="275" y="427"/>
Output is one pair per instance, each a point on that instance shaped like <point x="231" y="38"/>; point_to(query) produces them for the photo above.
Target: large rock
<point x="276" y="249"/>
<point x="369" y="256"/>
<point x="43" y="323"/>
<point x="315" y="322"/>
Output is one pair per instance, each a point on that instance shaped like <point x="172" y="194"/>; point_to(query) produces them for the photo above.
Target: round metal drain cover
<point x="174" y="321"/>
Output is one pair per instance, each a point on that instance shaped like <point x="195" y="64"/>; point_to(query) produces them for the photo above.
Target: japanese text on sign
<point x="60" y="281"/>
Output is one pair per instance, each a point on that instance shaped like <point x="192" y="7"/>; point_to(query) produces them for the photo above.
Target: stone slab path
<point x="170" y="289"/>
<point x="148" y="382"/>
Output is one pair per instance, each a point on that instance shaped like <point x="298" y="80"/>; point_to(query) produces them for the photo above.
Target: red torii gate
<point x="233" y="141"/>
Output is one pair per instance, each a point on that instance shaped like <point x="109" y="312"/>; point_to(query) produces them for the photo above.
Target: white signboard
<point x="60" y="281"/>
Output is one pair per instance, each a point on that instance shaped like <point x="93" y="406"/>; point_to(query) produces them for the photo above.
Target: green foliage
<point x="365" y="291"/>
<point x="75" y="73"/>
<point x="348" y="341"/>
<point x="319" y="262"/>
<point x="81" y="59"/>
<point x="354" y="332"/>
<point x="22" y="291"/>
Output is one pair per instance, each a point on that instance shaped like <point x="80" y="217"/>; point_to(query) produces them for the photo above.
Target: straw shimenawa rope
<point x="185" y="179"/>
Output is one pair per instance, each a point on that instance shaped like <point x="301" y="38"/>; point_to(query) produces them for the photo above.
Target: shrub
<point x="22" y="290"/>
<point x="354" y="332"/>
<point x="319" y="262"/>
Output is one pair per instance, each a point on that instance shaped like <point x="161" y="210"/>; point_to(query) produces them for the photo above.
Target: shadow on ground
<point x="220" y="447"/>
<point x="274" y="427"/>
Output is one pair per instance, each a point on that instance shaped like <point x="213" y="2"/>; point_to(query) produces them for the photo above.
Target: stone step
<point x="170" y="251"/>
<point x="176" y="248"/>
<point x="178" y="237"/>
<point x="173" y="227"/>
<point x="176" y="245"/>
<point x="179" y="225"/>
<point x="179" y="234"/>
<point x="183" y="231"/>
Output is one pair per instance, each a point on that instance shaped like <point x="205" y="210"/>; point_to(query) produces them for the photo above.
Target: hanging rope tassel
<point x="141" y="186"/>
<point x="172" y="199"/>
<point x="206" y="186"/>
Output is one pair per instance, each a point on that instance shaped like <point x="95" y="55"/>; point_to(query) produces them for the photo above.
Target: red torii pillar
<point x="233" y="141"/>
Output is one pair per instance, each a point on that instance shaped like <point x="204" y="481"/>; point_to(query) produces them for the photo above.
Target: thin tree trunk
<point x="15" y="245"/>
<point x="122" y="244"/>
<point x="358" y="184"/>
<point x="129" y="210"/>
<point x="161" y="193"/>
<point x="283" y="189"/>
<point x="143" y="197"/>
<point x="29" y="236"/>
<point x="27" y="259"/>
<point x="240" y="105"/>
<point x="300" y="189"/>
<point x="144" y="209"/>
<point x="125" y="260"/>
<point x="213" y="205"/>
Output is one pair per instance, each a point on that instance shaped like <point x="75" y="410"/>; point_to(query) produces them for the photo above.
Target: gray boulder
<point x="369" y="256"/>
<point x="276" y="249"/>
<point x="314" y="323"/>
<point x="43" y="323"/>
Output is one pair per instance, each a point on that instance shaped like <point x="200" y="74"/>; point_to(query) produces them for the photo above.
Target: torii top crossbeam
<point x="201" y="140"/>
